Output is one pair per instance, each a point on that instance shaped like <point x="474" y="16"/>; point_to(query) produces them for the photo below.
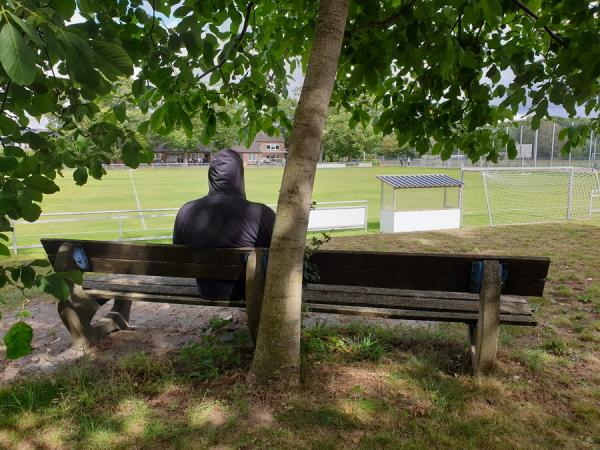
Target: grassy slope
<point x="364" y="386"/>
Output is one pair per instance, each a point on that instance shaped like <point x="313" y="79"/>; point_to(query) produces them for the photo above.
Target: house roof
<point x="255" y="147"/>
<point x="420" y="181"/>
<point x="264" y="137"/>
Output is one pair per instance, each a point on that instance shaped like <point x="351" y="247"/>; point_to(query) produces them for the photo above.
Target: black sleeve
<point x="177" y="238"/>
<point x="265" y="230"/>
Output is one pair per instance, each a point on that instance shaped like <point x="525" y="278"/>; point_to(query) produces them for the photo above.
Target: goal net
<point x="539" y="195"/>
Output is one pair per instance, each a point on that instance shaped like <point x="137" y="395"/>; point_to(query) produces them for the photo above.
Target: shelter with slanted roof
<point x="420" y="202"/>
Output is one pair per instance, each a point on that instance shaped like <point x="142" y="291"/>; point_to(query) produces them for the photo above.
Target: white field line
<point x="137" y="200"/>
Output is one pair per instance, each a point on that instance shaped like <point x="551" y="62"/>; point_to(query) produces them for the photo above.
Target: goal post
<point x="525" y="195"/>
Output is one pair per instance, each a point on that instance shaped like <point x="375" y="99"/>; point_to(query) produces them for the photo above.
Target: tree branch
<point x="5" y="96"/>
<point x="249" y="8"/>
<point x="392" y="18"/>
<point x="533" y="16"/>
<point x="151" y="30"/>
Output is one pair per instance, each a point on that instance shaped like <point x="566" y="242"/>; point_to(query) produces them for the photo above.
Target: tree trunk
<point x="277" y="355"/>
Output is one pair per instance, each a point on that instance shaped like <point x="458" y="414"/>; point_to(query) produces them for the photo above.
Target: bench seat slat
<point x="93" y="279"/>
<point x="327" y="294"/>
<point x="404" y="302"/>
<point x="425" y="315"/>
<point x="437" y="316"/>
<point x="176" y="299"/>
<point x="406" y="292"/>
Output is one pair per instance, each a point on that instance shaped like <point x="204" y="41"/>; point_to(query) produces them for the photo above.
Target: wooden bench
<point x="480" y="290"/>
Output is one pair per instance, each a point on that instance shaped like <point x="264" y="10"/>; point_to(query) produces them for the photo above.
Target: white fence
<point x="157" y="224"/>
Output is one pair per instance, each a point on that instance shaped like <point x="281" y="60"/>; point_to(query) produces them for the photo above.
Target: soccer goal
<point x="539" y="195"/>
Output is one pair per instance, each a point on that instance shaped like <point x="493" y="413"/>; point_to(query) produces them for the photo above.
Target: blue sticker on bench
<point x="264" y="259"/>
<point x="477" y="275"/>
<point x="81" y="258"/>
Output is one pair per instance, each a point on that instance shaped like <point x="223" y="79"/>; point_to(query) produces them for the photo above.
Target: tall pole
<point x="570" y="152"/>
<point x="552" y="145"/>
<point x="535" y="148"/>
<point x="521" y="146"/>
<point x="591" y="145"/>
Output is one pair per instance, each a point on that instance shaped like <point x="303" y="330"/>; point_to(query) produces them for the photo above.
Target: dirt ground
<point x="160" y="328"/>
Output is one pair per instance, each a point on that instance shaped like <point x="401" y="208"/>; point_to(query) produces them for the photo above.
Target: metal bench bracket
<point x="477" y="275"/>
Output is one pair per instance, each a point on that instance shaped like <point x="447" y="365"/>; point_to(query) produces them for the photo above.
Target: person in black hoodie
<point x="224" y="219"/>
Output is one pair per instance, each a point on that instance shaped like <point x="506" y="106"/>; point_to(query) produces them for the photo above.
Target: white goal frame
<point x="589" y="192"/>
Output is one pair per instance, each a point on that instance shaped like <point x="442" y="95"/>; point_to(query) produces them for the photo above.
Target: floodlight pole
<point x="521" y="147"/>
<point x="535" y="148"/>
<point x="552" y="145"/>
<point x="591" y="145"/>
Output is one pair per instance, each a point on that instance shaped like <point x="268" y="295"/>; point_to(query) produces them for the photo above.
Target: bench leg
<point x="118" y="317"/>
<point x="77" y="313"/>
<point x="483" y="336"/>
<point x="255" y="286"/>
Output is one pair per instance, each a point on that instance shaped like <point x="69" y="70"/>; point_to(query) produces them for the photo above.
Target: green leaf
<point x="30" y="211"/>
<point x="27" y="276"/>
<point x="16" y="57"/>
<point x="41" y="104"/>
<point x="40" y="263"/>
<point x="55" y="285"/>
<point x="18" y="340"/>
<point x="112" y="60"/>
<point x="27" y="29"/>
<point x="8" y="164"/>
<point x="80" y="176"/>
<point x="157" y="118"/>
<point x="130" y="153"/>
<point x="492" y="11"/>
<point x="65" y="8"/>
<point x="41" y="183"/>
<point x="119" y="111"/>
<point x="270" y="99"/>
<point x="7" y="125"/>
<point x="76" y="276"/>
<point x="4" y="251"/>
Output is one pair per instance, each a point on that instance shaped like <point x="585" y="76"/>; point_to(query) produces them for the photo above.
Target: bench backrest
<point x="157" y="259"/>
<point x="419" y="271"/>
<point x="427" y="271"/>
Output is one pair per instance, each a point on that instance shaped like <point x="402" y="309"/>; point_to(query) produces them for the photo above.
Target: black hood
<point x="226" y="173"/>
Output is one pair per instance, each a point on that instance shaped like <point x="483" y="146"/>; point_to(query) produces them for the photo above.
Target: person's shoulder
<point x="264" y="208"/>
<point x="190" y="205"/>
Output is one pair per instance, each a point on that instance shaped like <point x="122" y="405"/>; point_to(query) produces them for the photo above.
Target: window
<point x="252" y="157"/>
<point x="272" y="146"/>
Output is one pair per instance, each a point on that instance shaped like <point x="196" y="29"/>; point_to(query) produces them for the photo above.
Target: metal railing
<point x="151" y="224"/>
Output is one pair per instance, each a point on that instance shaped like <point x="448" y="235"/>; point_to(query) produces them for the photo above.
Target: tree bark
<point x="277" y="355"/>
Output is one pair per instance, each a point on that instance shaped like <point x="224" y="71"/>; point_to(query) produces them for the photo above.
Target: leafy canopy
<point x="434" y="68"/>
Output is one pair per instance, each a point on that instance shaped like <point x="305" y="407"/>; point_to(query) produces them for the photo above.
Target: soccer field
<point x="172" y="187"/>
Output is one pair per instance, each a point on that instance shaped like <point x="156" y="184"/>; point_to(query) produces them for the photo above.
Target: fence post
<point x="521" y="146"/>
<point x="14" y="238"/>
<point x="535" y="148"/>
<point x="552" y="146"/>
<point x="570" y="196"/>
<point x="120" y="228"/>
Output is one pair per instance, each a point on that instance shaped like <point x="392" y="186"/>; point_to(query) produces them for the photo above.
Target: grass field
<point x="171" y="187"/>
<point x="364" y="386"/>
